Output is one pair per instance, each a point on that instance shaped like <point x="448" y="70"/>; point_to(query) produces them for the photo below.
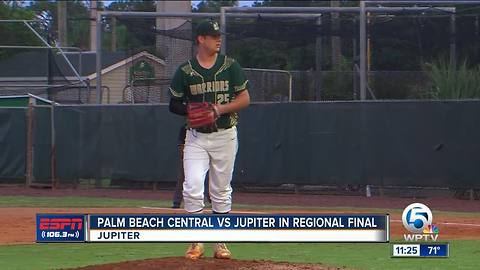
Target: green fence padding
<point x="405" y="143"/>
<point x="42" y="145"/>
<point x="21" y="101"/>
<point x="118" y="142"/>
<point x="12" y="143"/>
<point x="389" y="143"/>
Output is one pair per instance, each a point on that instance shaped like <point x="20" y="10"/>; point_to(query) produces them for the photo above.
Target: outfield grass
<point x="463" y="255"/>
<point x="77" y="202"/>
<point x="86" y="202"/>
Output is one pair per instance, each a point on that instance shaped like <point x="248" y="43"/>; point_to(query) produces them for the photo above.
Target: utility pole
<point x="93" y="24"/>
<point x="113" y="44"/>
<point x="318" y="61"/>
<point x="62" y="23"/>
<point x="363" y="52"/>
<point x="453" y="42"/>
<point x="336" y="42"/>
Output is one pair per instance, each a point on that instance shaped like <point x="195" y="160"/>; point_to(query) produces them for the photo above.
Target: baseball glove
<point x="201" y="114"/>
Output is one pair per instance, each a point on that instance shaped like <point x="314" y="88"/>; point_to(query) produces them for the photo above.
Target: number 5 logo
<point x="416" y="217"/>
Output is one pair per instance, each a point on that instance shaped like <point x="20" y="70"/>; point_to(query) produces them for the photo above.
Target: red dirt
<point x="179" y="263"/>
<point x="18" y="229"/>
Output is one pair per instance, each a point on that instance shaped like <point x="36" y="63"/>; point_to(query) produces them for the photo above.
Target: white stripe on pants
<point x="213" y="152"/>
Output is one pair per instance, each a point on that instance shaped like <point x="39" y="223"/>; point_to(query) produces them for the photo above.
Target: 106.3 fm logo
<point x="417" y="219"/>
<point x="60" y="228"/>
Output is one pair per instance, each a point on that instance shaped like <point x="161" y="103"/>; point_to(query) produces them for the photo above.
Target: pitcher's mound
<point x="180" y="263"/>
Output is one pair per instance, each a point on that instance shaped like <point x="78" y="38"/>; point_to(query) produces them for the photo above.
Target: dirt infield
<point x="435" y="203"/>
<point x="18" y="229"/>
<point x="180" y="263"/>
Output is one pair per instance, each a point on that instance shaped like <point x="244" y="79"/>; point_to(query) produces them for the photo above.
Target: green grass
<point x="78" y="202"/>
<point x="85" y="202"/>
<point x="463" y="255"/>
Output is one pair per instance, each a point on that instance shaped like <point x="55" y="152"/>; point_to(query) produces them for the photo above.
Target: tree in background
<point x="78" y="18"/>
<point x="15" y="33"/>
<point x="288" y="44"/>
<point x="401" y="42"/>
<point x="125" y="5"/>
<point x="133" y="34"/>
<point x="78" y="24"/>
<point x="214" y="6"/>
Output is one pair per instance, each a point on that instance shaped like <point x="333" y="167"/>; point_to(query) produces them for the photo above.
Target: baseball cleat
<point x="194" y="251"/>
<point x="221" y="251"/>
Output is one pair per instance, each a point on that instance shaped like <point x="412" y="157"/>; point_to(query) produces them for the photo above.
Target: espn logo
<point x="61" y="223"/>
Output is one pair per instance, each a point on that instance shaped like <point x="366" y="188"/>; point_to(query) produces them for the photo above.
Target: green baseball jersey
<point x="218" y="85"/>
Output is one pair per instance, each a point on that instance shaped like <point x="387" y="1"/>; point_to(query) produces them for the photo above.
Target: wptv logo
<point x="417" y="219"/>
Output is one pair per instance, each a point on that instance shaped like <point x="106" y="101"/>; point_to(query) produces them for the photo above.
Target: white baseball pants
<point x="213" y="153"/>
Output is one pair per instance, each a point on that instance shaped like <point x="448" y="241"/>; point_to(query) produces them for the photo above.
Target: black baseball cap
<point x="208" y="28"/>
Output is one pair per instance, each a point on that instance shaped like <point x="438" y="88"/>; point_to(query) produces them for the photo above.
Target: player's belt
<point x="210" y="129"/>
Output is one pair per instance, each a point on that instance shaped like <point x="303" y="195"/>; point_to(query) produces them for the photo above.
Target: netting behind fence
<point x="45" y="73"/>
<point x="326" y="49"/>
<point x="269" y="85"/>
<point x="147" y="91"/>
<point x="320" y="52"/>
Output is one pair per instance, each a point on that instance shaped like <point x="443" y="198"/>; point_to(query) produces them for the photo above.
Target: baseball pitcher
<point x="209" y="89"/>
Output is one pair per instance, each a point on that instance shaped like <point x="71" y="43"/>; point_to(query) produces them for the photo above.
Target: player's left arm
<point x="240" y="85"/>
<point x="242" y="100"/>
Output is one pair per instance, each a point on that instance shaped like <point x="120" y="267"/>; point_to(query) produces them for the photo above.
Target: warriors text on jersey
<point x="217" y="85"/>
